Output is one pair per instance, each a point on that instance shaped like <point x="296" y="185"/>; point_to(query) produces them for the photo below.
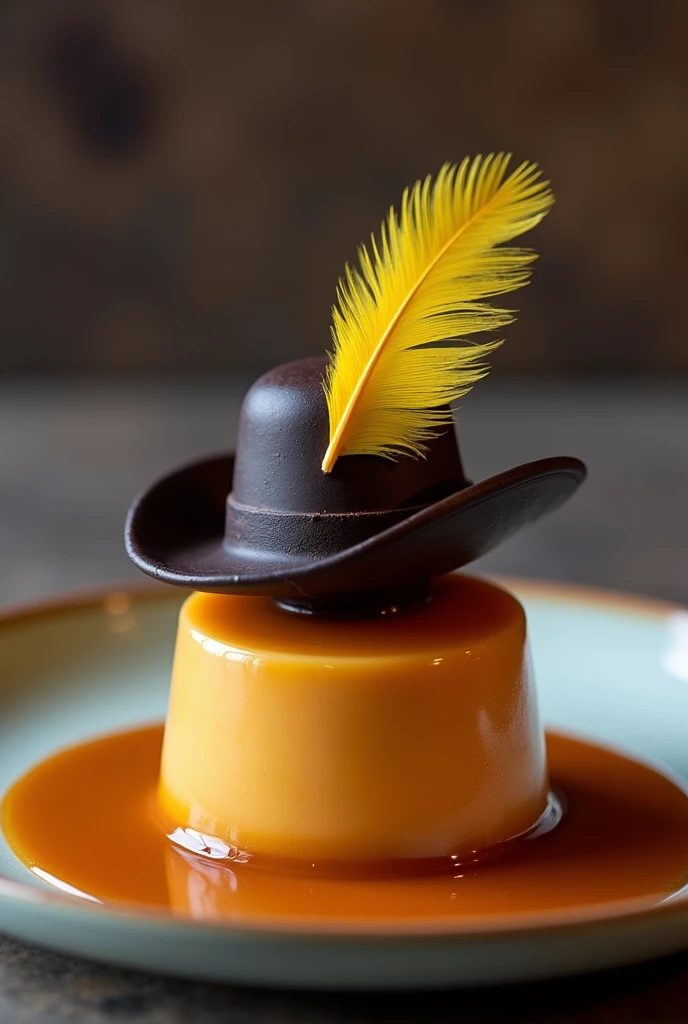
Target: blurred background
<point x="182" y="182"/>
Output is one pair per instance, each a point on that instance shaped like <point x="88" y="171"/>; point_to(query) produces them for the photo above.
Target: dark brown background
<point x="182" y="181"/>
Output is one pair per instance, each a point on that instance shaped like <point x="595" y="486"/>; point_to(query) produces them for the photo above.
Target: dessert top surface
<point x="463" y="612"/>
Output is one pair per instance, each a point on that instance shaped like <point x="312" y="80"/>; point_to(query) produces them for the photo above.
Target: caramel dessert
<point x="353" y="726"/>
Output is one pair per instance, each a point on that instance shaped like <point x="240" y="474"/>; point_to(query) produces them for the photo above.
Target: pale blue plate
<point x="609" y="668"/>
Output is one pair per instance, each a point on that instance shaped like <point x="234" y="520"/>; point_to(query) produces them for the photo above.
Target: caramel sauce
<point x="88" y="818"/>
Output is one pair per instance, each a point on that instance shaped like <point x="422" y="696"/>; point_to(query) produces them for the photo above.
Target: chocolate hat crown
<point x="283" y="504"/>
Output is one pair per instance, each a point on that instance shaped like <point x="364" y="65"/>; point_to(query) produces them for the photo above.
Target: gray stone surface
<point x="40" y="987"/>
<point x="73" y="454"/>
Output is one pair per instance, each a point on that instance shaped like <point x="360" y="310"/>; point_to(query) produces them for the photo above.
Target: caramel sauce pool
<point x="88" y="819"/>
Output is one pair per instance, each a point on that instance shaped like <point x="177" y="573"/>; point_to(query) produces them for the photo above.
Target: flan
<point x="404" y="738"/>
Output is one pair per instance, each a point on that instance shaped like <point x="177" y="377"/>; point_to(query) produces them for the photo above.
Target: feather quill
<point x="425" y="282"/>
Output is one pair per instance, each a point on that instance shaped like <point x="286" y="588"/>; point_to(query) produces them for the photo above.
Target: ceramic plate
<point x="609" y="668"/>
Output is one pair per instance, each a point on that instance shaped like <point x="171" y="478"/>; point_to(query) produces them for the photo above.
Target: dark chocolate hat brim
<point x="175" y="533"/>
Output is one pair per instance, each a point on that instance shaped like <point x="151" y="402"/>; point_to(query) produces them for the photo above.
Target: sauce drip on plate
<point x="87" y="820"/>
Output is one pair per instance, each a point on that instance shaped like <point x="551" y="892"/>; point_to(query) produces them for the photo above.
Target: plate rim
<point x="526" y="923"/>
<point x="89" y="598"/>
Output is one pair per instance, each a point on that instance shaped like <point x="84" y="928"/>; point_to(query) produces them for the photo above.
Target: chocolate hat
<point x="270" y="522"/>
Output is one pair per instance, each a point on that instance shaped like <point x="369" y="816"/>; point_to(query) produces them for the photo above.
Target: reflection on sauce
<point x="87" y="819"/>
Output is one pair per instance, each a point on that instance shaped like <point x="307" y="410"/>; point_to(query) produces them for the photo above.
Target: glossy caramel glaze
<point x="410" y="736"/>
<point x="88" y="817"/>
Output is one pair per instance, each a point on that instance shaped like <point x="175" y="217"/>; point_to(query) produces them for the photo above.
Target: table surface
<point x="72" y="455"/>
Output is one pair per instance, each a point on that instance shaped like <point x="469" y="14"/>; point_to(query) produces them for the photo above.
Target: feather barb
<point x="400" y="326"/>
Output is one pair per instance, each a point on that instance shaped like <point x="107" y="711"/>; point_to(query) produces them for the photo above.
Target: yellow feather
<point x="423" y="283"/>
